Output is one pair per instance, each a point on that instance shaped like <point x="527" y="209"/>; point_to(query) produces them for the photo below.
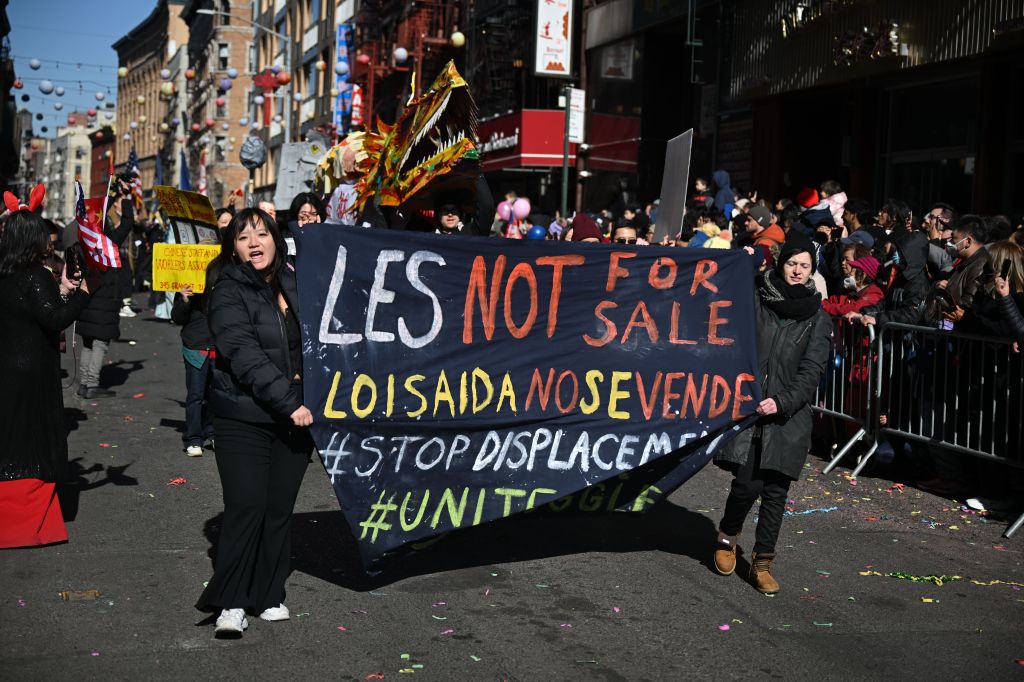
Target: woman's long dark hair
<point x="243" y="219"/>
<point x="24" y="241"/>
<point x="300" y="200"/>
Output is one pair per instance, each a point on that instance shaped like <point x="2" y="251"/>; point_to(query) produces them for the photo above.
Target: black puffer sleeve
<point x="50" y="311"/>
<point x="236" y="340"/>
<point x="1011" y="316"/>
<point x="801" y="389"/>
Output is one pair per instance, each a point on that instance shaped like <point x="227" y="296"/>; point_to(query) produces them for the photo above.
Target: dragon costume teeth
<point x="434" y="137"/>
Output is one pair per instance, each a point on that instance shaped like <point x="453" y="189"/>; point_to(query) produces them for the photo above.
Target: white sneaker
<point x="231" y="623"/>
<point x="194" y="451"/>
<point x="126" y="311"/>
<point x="276" y="613"/>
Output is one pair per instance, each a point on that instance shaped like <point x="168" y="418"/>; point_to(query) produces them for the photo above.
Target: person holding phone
<point x="259" y="421"/>
<point x="999" y="298"/>
<point x="33" y="437"/>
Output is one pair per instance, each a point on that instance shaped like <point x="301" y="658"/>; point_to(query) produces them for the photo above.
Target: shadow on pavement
<point x="176" y="424"/>
<point x="117" y="373"/>
<point x="323" y="545"/>
<point x="73" y="417"/>
<point x="78" y="480"/>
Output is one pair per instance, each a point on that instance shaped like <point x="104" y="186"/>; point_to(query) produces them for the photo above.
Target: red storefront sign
<point x="534" y="137"/>
<point x="531" y="137"/>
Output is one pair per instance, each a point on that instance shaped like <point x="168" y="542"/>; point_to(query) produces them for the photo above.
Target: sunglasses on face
<point x="449" y="210"/>
<point x="625" y="240"/>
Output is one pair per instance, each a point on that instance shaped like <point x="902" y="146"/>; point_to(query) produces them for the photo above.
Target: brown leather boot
<point x="725" y="553"/>
<point x="760" y="573"/>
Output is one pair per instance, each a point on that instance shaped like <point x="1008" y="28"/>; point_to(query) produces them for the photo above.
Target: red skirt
<point x="30" y="514"/>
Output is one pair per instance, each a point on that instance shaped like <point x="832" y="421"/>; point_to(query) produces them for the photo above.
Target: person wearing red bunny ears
<point x="33" y="438"/>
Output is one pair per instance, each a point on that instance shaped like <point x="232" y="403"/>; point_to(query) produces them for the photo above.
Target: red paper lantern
<point x="210" y="122"/>
<point x="195" y="127"/>
<point x="18" y="84"/>
<point x="363" y="59"/>
<point x="92" y="112"/>
<point x="99" y="134"/>
<point x="283" y="78"/>
<point x="71" y="120"/>
<point x="190" y="74"/>
<point x="220" y="101"/>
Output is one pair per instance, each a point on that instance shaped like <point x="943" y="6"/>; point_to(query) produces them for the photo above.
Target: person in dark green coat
<point x="793" y="346"/>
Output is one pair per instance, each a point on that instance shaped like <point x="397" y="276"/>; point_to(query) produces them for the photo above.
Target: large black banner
<point x="455" y="381"/>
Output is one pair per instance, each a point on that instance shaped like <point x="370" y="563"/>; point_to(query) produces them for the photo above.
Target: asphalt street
<point x="616" y="597"/>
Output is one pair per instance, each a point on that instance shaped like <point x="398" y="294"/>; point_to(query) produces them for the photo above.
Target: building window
<point x="218" y="150"/>
<point x="78" y="171"/>
<point x="222" y="109"/>
<point x="225" y="18"/>
<point x="223" y="56"/>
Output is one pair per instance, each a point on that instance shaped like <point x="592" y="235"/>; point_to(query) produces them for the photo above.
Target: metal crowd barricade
<point x="957" y="392"/>
<point x="845" y="392"/>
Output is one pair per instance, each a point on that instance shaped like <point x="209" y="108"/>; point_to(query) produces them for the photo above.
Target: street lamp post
<point x="287" y="65"/>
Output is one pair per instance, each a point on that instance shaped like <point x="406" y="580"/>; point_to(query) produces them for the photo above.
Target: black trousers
<point x="749" y="483"/>
<point x="261" y="468"/>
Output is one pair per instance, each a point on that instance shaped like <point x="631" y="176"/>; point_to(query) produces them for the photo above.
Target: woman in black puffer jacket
<point x="100" y="322"/>
<point x="793" y="345"/>
<point x="259" y="423"/>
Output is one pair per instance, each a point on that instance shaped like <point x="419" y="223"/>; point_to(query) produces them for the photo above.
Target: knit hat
<point x="584" y="227"/>
<point x="796" y="242"/>
<point x="807" y="197"/>
<point x="868" y="265"/>
<point x="761" y="215"/>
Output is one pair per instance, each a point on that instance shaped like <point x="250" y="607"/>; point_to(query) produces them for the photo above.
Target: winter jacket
<point x="997" y="316"/>
<point x="836" y="204"/>
<point x="772" y="234"/>
<point x="793" y="356"/>
<point x="852" y="302"/>
<point x="940" y="263"/>
<point x="904" y="300"/>
<point x="100" y="319"/>
<point x="252" y="375"/>
<point x="964" y="280"/>
<point x="725" y="197"/>
<point x="195" y="330"/>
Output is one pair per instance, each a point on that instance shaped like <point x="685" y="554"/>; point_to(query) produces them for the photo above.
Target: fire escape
<point x="422" y="28"/>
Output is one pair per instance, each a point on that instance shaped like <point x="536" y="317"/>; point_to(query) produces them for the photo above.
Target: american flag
<point x="132" y="168"/>
<point x="99" y="248"/>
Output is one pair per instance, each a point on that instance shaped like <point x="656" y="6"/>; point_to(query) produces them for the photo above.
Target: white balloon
<point x="133" y="125"/>
<point x="59" y="91"/>
<point x="243" y="121"/>
<point x="401" y="54"/>
<point x="109" y="115"/>
<point x="58" y="105"/>
<point x="100" y="96"/>
<point x="45" y="87"/>
<point x="258" y="99"/>
<point x="226" y="126"/>
<point x="35" y="64"/>
<point x="341" y="68"/>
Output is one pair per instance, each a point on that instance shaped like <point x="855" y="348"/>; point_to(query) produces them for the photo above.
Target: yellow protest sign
<point x="178" y="203"/>
<point x="179" y="265"/>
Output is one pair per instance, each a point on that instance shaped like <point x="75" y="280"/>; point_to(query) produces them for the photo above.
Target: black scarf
<point x="789" y="301"/>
